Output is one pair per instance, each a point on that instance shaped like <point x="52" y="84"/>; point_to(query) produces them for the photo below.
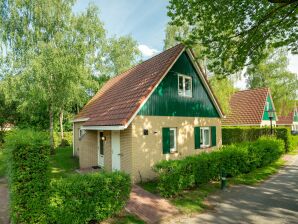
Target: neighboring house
<point x="6" y="127"/>
<point x="250" y="108"/>
<point x="160" y="109"/>
<point x="290" y="121"/>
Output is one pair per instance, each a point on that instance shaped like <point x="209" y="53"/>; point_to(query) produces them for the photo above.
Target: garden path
<point x="3" y="202"/>
<point x="274" y="201"/>
<point x="149" y="207"/>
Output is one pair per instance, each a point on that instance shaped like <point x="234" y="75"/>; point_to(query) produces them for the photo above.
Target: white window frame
<point x="173" y="150"/>
<point x="183" y="93"/>
<point x="202" y="136"/>
<point x="82" y="132"/>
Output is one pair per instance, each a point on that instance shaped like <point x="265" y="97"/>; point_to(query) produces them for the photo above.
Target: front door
<point x="100" y="149"/>
<point x="116" y="150"/>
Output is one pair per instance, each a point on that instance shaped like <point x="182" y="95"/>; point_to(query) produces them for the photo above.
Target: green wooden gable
<point x="266" y="115"/>
<point x="165" y="100"/>
<point x="295" y="115"/>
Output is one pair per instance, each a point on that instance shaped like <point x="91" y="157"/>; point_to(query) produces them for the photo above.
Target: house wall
<point x="266" y="123"/>
<point x="87" y="149"/>
<point x="147" y="149"/>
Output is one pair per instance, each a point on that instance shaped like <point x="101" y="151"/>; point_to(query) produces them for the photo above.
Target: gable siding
<point x="295" y="116"/>
<point x="165" y="100"/>
<point x="266" y="115"/>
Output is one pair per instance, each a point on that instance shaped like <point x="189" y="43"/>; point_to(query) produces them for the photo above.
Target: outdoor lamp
<point x="103" y="138"/>
<point x="271" y="116"/>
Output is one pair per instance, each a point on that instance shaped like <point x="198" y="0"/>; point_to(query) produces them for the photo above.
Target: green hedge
<point x="28" y="175"/>
<point x="85" y="198"/>
<point x="175" y="176"/>
<point x="231" y="135"/>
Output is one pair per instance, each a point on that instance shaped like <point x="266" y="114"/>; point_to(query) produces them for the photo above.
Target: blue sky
<point x="145" y="21"/>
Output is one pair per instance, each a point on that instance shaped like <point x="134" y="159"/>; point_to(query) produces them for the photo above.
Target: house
<point x="160" y="109"/>
<point x="250" y="108"/>
<point x="290" y="121"/>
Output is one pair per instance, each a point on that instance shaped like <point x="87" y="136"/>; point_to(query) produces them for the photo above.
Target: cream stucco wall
<point x="139" y="152"/>
<point x="147" y="149"/>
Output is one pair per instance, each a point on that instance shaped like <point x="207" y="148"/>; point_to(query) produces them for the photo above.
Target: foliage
<point x="3" y="156"/>
<point x="175" y="176"/>
<point x="28" y="175"/>
<point x="257" y="175"/>
<point x="126" y="219"/>
<point x="85" y="198"/>
<point x="54" y="67"/>
<point x="67" y="138"/>
<point x="63" y="163"/>
<point x="272" y="72"/>
<point x="223" y="94"/>
<point x="231" y="135"/>
<point x="235" y="33"/>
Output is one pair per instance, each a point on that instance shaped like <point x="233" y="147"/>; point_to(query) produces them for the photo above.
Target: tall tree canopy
<point x="272" y="72"/>
<point x="52" y="57"/>
<point x="235" y="33"/>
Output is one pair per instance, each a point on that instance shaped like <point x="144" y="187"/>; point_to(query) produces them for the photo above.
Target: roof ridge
<point x="259" y="88"/>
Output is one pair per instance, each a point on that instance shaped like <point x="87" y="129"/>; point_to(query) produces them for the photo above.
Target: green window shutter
<point x="197" y="137"/>
<point x="213" y="135"/>
<point x="165" y="140"/>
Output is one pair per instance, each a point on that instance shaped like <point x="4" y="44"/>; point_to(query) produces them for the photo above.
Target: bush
<point x="175" y="176"/>
<point x="85" y="198"/>
<point x="2" y="137"/>
<point x="28" y="175"/>
<point x="232" y="135"/>
<point x="67" y="139"/>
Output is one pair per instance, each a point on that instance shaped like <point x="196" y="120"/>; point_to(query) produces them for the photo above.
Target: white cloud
<point x="147" y="51"/>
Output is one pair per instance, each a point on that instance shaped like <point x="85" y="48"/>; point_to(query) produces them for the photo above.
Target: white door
<point x="100" y="149"/>
<point x="116" y="150"/>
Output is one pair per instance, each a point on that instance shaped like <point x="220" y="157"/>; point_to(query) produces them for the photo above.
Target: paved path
<point x="3" y="202"/>
<point x="274" y="202"/>
<point x="149" y="207"/>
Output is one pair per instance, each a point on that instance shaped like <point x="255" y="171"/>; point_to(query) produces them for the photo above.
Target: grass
<point x="191" y="201"/>
<point x="258" y="175"/>
<point x="125" y="219"/>
<point x="2" y="164"/>
<point x="63" y="163"/>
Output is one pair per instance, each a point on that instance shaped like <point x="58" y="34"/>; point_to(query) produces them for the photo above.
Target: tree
<point x="235" y="33"/>
<point x="53" y="55"/>
<point x="223" y="90"/>
<point x="272" y="72"/>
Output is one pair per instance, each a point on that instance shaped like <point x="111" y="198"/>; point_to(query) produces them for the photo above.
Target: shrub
<point x="232" y="135"/>
<point x="175" y="176"/>
<point x="85" y="198"/>
<point x="67" y="139"/>
<point x="28" y="175"/>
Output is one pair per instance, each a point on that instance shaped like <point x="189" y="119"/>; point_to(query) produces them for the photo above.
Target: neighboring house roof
<point x="247" y="107"/>
<point x="288" y="119"/>
<point x="118" y="101"/>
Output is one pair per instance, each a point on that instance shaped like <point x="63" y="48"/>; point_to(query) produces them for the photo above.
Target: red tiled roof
<point x="286" y="120"/>
<point x="247" y="107"/>
<point x="117" y="101"/>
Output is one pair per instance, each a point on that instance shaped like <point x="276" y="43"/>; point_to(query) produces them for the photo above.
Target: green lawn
<point x="2" y="164"/>
<point x="125" y="219"/>
<point x="63" y="163"/>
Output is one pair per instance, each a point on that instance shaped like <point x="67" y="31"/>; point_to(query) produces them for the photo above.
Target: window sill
<point x="205" y="146"/>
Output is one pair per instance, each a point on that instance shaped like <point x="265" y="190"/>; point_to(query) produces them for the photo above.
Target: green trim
<point x="165" y="140"/>
<point x="213" y="135"/>
<point x="266" y="115"/>
<point x="165" y="100"/>
<point x="197" y="134"/>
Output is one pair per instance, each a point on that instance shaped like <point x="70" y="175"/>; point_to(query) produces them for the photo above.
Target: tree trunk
<point x="52" y="130"/>
<point x="61" y="125"/>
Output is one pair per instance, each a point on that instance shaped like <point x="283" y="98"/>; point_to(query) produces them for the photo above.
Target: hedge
<point x="231" y="135"/>
<point x="175" y="176"/>
<point x="91" y="197"/>
<point x="28" y="175"/>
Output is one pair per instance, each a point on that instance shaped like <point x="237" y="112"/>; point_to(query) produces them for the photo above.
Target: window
<point x="205" y="136"/>
<point x="184" y="85"/>
<point x="82" y="132"/>
<point x="173" y="147"/>
<point x="267" y="106"/>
